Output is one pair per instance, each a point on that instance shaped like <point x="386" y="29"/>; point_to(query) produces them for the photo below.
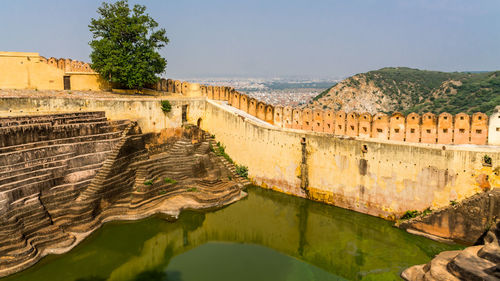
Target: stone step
<point x="41" y="176"/>
<point x="13" y="158"/>
<point x="30" y="174"/>
<point x="54" y="115"/>
<point x="34" y="164"/>
<point x="107" y="135"/>
<point x="15" y="135"/>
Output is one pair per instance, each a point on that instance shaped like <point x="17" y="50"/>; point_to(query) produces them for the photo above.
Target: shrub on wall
<point x="166" y="106"/>
<point x="242" y="171"/>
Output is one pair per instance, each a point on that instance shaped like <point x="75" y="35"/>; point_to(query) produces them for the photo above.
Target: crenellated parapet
<point x="67" y="65"/>
<point x="430" y="128"/>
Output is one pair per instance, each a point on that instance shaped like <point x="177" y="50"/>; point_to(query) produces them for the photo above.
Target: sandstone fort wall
<point x="374" y="176"/>
<point x="428" y="128"/>
<point x="32" y="71"/>
<point x="370" y="176"/>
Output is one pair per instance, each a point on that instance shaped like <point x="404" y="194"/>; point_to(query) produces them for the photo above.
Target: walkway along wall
<point x="381" y="178"/>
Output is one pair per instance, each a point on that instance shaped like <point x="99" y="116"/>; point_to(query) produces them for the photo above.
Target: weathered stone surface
<point x="473" y="263"/>
<point x="62" y="176"/>
<point x="464" y="222"/>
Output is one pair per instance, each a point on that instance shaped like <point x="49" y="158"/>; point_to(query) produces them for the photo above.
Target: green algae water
<point x="266" y="236"/>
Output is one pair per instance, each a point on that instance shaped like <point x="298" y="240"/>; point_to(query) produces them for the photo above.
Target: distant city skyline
<point x="303" y="39"/>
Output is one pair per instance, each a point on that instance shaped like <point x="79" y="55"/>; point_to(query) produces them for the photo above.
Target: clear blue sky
<point x="279" y="38"/>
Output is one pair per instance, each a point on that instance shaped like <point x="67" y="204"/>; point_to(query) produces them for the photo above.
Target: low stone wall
<point x="382" y="178"/>
<point x="146" y="111"/>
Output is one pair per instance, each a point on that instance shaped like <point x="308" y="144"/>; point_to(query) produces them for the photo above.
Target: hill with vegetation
<point x="411" y="90"/>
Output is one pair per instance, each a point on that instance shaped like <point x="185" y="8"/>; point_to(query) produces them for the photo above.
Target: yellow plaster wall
<point x="386" y="180"/>
<point x="381" y="178"/>
<point x="87" y="82"/>
<point x="494" y="127"/>
<point x="25" y="71"/>
<point x="147" y="112"/>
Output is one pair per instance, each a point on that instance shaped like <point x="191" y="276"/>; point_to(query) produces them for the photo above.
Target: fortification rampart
<point x="68" y="65"/>
<point x="428" y="128"/>
<point x="378" y="176"/>
<point x="32" y="71"/>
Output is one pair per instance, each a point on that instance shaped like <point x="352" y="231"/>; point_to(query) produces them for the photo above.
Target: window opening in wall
<point x="329" y="127"/>
<point x="379" y="130"/>
<point x="479" y="118"/>
<point x="498" y="129"/>
<point x="478" y="131"/>
<point x="445" y="130"/>
<point x="461" y="118"/>
<point x="352" y="128"/>
<point x="364" y="129"/>
<point x="318" y="124"/>
<point x="340" y="126"/>
<point x="445" y="117"/>
<point x="428" y="131"/>
<point x="396" y="130"/>
<point x="412" y="131"/>
<point x="461" y="131"/>
<point x="67" y="82"/>
<point x="184" y="113"/>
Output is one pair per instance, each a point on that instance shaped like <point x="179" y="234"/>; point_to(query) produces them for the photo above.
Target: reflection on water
<point x="267" y="236"/>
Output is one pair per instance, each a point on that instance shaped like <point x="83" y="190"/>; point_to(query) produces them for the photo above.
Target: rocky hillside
<point x="412" y="90"/>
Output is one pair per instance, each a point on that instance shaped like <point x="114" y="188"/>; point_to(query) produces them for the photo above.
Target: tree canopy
<point x="125" y="45"/>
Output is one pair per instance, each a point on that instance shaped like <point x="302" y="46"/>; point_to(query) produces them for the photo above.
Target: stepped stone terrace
<point x="63" y="175"/>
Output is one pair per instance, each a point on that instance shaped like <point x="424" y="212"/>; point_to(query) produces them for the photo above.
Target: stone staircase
<point x="473" y="263"/>
<point x="44" y="163"/>
<point x="229" y="166"/>
<point x="63" y="175"/>
<point x="96" y="185"/>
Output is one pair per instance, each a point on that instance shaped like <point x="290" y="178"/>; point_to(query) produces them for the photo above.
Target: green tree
<point x="125" y="45"/>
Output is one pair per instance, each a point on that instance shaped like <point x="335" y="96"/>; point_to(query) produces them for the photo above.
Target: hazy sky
<point x="279" y="38"/>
